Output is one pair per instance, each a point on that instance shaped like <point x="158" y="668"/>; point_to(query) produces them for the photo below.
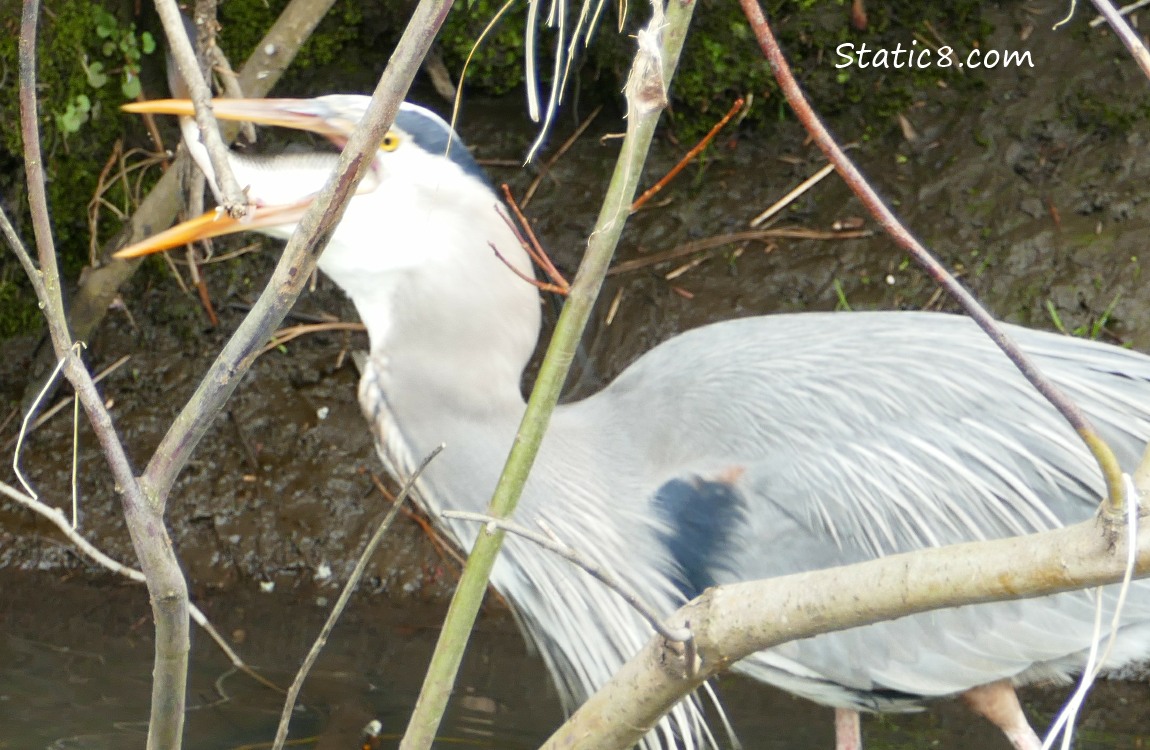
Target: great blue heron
<point x="742" y="450"/>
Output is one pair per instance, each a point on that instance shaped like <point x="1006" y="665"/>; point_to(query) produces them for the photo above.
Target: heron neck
<point x="459" y="328"/>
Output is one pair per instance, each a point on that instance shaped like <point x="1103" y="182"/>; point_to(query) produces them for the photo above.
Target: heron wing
<point x="876" y="434"/>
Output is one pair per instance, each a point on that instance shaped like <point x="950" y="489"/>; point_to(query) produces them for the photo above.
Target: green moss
<point x="496" y="65"/>
<point x="721" y="61"/>
<point x="341" y="48"/>
<point x="69" y="49"/>
<point x="19" y="313"/>
<point x="1104" y="116"/>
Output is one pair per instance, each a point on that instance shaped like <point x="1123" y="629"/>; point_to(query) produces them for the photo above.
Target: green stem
<point x="645" y="90"/>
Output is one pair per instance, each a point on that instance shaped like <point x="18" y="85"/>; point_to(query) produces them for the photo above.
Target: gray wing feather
<point x="872" y="434"/>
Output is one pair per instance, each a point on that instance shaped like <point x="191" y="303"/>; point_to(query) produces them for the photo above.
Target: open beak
<point x="214" y="224"/>
<point x="313" y="115"/>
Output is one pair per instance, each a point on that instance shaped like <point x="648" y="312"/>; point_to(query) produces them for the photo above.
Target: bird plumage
<point x="741" y="450"/>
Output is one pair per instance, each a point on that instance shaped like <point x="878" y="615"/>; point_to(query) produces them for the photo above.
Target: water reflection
<point x="75" y="671"/>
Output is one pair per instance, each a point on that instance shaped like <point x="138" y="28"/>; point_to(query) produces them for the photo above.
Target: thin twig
<point x="154" y="134"/>
<point x="442" y="546"/>
<point x="232" y="196"/>
<point x="94" y="203"/>
<point x="1125" y="10"/>
<point x="613" y="308"/>
<point x="170" y="262"/>
<point x="341" y="603"/>
<point x="230" y="83"/>
<point x="650" y="192"/>
<point x="719" y="240"/>
<point x="532" y="245"/>
<point x="1111" y="471"/>
<point x="284" y="335"/>
<point x="790" y="197"/>
<point x="541" y="285"/>
<point x="201" y="286"/>
<point x="57" y="518"/>
<point x="534" y="249"/>
<point x="549" y="543"/>
<point x="1128" y="36"/>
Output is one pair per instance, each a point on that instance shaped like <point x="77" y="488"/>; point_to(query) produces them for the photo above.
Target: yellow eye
<point x="390" y="142"/>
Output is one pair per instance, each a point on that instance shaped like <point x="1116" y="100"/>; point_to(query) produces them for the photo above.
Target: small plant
<point x="841" y="295"/>
<point x="75" y="115"/>
<point x="123" y="49"/>
<point x="1092" y="330"/>
<point x="125" y="46"/>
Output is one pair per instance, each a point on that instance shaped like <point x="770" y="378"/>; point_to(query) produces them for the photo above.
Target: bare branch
<point x="232" y="196"/>
<point x="1128" y="36"/>
<point x="1111" y="471"/>
<point x="167" y="588"/>
<point x="734" y="621"/>
<point x="690" y="156"/>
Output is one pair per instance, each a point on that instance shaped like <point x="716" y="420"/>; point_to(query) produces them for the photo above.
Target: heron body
<point x="742" y="450"/>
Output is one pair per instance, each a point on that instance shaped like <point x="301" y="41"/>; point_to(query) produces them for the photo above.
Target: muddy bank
<point x="1033" y="187"/>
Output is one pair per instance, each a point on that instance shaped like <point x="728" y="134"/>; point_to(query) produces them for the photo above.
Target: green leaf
<point x="108" y="48"/>
<point x="106" y="24"/>
<point x="130" y="86"/>
<point x="74" y="117"/>
<point x="147" y="43"/>
<point x="96" y="76"/>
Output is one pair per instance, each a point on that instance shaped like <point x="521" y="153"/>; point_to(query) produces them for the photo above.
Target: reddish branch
<point x="650" y="192"/>
<point x="1111" y="471"/>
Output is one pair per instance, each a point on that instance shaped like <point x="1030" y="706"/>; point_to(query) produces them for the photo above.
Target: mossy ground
<point x="721" y="62"/>
<point x="69" y="44"/>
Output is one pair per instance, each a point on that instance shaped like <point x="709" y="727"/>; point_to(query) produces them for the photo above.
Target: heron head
<point x="421" y="166"/>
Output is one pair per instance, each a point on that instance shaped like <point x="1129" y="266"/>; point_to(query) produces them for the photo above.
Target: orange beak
<point x="314" y="115"/>
<point x="214" y="224"/>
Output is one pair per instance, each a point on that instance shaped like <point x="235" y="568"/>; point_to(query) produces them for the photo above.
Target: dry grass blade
<point x="710" y="243"/>
<point x="284" y="335"/>
<point x="790" y="197"/>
